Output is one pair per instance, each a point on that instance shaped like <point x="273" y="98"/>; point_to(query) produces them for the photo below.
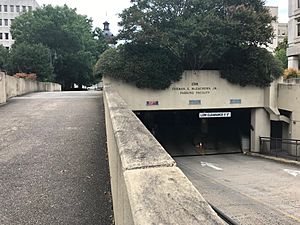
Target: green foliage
<point x="262" y="70"/>
<point x="146" y="66"/>
<point x="197" y="32"/>
<point x="110" y="63"/>
<point x="31" y="58"/>
<point x="4" y="58"/>
<point x="74" y="46"/>
<point x="283" y="44"/>
<point x="282" y="57"/>
<point x="100" y="42"/>
<point x="78" y="64"/>
<point x="60" y="28"/>
<point x="197" y="35"/>
<point x="280" y="53"/>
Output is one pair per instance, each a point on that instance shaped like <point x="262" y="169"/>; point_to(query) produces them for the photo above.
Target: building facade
<point x="280" y="29"/>
<point x="9" y="10"/>
<point x="293" y="51"/>
<point x="282" y="32"/>
<point x="253" y="112"/>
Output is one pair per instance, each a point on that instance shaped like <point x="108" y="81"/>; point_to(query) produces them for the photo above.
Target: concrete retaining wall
<point x="11" y="87"/>
<point x="288" y="99"/>
<point x="147" y="186"/>
<point x="2" y="88"/>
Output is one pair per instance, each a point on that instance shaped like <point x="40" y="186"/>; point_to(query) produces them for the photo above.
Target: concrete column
<point x="293" y="62"/>
<point x="295" y="125"/>
<point x="261" y="124"/>
<point x="2" y="88"/>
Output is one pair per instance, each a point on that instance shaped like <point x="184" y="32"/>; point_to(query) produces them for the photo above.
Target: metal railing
<point x="279" y="147"/>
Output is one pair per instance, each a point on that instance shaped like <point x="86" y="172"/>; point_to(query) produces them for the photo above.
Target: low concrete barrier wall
<point x="11" y="87"/>
<point x="147" y="186"/>
<point x="2" y="88"/>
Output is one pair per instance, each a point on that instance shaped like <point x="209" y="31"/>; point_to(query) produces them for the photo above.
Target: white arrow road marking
<point x="292" y="172"/>
<point x="210" y="165"/>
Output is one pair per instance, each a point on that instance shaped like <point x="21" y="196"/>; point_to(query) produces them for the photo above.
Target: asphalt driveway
<point x="247" y="189"/>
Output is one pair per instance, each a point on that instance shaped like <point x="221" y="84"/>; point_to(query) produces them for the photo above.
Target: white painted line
<point x="292" y="172"/>
<point x="203" y="164"/>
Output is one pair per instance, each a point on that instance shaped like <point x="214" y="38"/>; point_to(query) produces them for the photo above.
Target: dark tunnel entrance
<point x="185" y="133"/>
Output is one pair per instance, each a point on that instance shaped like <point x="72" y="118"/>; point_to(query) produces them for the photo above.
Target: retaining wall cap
<point x="137" y="147"/>
<point x="114" y="99"/>
<point x="165" y="196"/>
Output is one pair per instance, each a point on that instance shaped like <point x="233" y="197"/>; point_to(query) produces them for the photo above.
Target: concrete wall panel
<point x="196" y="90"/>
<point x="289" y="99"/>
<point x="2" y="88"/>
<point x="260" y="121"/>
<point x="12" y="86"/>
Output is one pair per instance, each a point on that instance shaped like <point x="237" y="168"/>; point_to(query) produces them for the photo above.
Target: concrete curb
<point x="277" y="159"/>
<point x="3" y="104"/>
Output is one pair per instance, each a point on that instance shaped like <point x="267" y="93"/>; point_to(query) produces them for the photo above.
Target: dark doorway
<point x="276" y="135"/>
<point x="276" y="129"/>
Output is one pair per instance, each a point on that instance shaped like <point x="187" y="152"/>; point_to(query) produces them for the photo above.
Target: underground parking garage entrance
<point x="200" y="132"/>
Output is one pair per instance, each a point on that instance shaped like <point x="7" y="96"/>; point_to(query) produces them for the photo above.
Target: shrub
<point x="250" y="66"/>
<point x="144" y="65"/>
<point x="291" y="73"/>
<point x="27" y="76"/>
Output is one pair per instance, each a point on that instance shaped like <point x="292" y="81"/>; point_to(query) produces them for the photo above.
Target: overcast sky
<point x="100" y="10"/>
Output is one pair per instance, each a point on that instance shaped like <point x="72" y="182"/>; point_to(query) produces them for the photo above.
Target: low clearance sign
<point x="215" y="115"/>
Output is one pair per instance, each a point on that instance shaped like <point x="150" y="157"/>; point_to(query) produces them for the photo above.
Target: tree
<point x="75" y="68"/>
<point x="70" y="38"/>
<point x="4" y="58"/>
<point x="262" y="70"/>
<point x="280" y="53"/>
<point x="33" y="58"/>
<point x="146" y="66"/>
<point x="110" y="63"/>
<point x="101" y="41"/>
<point x="199" y="34"/>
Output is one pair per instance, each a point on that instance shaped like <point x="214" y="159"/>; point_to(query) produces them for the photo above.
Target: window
<point x="0" y="8"/>
<point x="12" y="8"/>
<point x="30" y="8"/>
<point x="298" y="27"/>
<point x="298" y="4"/>
<point x="11" y="21"/>
<point x="5" y="22"/>
<point x="1" y="36"/>
<point x="23" y="8"/>
<point x="5" y="8"/>
<point x="17" y="8"/>
<point x="0" y="22"/>
<point x="6" y="36"/>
